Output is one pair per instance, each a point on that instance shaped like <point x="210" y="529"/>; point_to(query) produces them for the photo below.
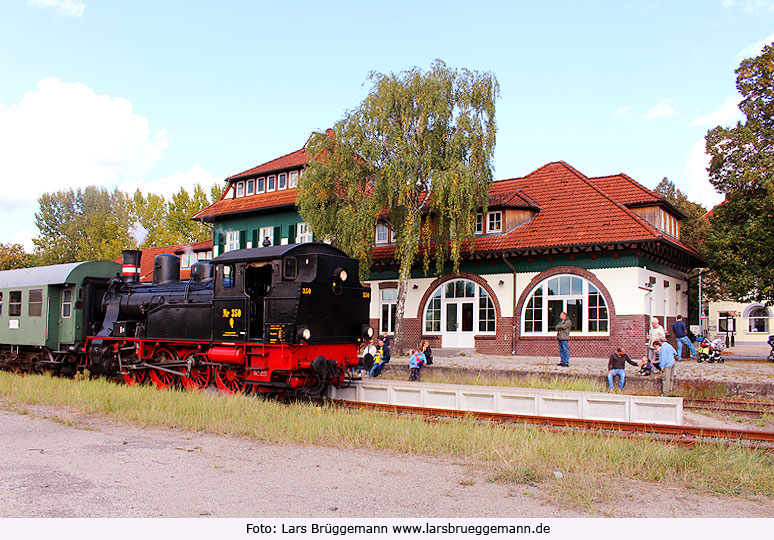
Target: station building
<point x="606" y="250"/>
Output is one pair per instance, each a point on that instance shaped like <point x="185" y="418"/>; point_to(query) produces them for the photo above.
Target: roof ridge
<point x="265" y="163"/>
<point x="645" y="224"/>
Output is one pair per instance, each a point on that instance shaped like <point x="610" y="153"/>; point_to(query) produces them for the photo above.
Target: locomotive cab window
<point x="290" y="269"/>
<point x="227" y="276"/>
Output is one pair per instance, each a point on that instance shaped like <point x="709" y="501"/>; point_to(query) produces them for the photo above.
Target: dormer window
<point x="494" y="222"/>
<point x="260" y="184"/>
<point x="282" y="181"/>
<point x="240" y="189"/>
<point x="479" y="224"/>
<point x="382" y="234"/>
<point x="271" y="183"/>
<point x="250" y="187"/>
<point x="293" y="179"/>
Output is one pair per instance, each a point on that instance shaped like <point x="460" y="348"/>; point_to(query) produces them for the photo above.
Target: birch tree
<point x="415" y="155"/>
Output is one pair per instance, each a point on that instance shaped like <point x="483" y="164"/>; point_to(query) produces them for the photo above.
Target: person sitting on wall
<point x="616" y="366"/>
<point x="646" y="368"/>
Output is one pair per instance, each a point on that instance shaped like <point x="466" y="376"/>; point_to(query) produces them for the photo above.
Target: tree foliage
<point x="80" y="225"/>
<point x="740" y="239"/>
<point x="420" y="144"/>
<point x="94" y="223"/>
<point x="13" y="256"/>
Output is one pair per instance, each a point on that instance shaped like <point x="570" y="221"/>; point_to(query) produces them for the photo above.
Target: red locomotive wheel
<point x="163" y="379"/>
<point x="135" y="377"/>
<point x="228" y="381"/>
<point x="199" y="378"/>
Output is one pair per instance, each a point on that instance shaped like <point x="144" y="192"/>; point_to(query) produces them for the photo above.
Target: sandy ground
<point x="60" y="464"/>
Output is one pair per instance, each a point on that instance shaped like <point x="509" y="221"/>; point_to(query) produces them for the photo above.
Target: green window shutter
<point x="256" y="242"/>
<point x="277" y="235"/>
<point x="292" y="234"/>
<point x="221" y="243"/>
<point x="242" y="239"/>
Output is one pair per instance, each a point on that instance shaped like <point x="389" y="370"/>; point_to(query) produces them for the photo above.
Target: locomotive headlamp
<point x="370" y="332"/>
<point x="367" y="331"/>
<point x="341" y="273"/>
<point x="306" y="334"/>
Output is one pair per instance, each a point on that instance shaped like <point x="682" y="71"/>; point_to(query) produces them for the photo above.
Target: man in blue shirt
<point x="666" y="357"/>
<point x="681" y="334"/>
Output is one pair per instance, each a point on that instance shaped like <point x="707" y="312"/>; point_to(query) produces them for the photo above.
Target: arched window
<point x="578" y="297"/>
<point x="460" y="306"/>
<point x="759" y="320"/>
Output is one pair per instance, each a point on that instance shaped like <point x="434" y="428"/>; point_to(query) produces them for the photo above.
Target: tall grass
<point x="590" y="465"/>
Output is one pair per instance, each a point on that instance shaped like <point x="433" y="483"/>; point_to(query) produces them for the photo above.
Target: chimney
<point x="130" y="263"/>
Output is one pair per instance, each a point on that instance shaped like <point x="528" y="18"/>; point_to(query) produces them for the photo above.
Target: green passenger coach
<point x="46" y="312"/>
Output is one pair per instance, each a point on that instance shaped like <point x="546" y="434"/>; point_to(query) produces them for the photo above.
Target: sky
<point x="157" y="96"/>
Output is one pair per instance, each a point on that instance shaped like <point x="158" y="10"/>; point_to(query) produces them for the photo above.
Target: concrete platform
<point x="509" y="400"/>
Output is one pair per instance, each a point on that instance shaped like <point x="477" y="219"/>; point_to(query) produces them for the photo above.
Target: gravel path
<point x="60" y="464"/>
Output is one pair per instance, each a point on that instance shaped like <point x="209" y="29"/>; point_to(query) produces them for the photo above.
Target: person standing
<point x="681" y="334"/>
<point x="563" y="337"/>
<point x="656" y="333"/>
<point x="617" y="366"/>
<point x="666" y="360"/>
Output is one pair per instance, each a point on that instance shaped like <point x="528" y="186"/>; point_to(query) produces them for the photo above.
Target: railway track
<point x="732" y="406"/>
<point x="673" y="434"/>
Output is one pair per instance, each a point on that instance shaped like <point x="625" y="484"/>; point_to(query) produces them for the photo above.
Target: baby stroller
<point x="771" y="344"/>
<point x="710" y="351"/>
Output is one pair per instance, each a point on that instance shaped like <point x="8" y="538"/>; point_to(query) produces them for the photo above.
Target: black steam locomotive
<point x="284" y="319"/>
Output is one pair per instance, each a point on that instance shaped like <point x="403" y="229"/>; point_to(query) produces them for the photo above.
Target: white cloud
<point x="66" y="8"/>
<point x="24" y="238"/>
<point x="754" y="49"/>
<point x="63" y="135"/>
<point x="661" y="109"/>
<point x="694" y="181"/>
<point x="727" y="114"/>
<point x="171" y="184"/>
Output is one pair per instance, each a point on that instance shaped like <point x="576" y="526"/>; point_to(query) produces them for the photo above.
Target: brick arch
<point x="574" y="271"/>
<point x="454" y="276"/>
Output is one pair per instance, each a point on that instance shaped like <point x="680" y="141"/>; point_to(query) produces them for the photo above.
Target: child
<point x="416" y="361"/>
<point x="376" y="369"/>
<point x="646" y="368"/>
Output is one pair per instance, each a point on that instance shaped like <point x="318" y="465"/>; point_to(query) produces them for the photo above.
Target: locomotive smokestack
<point x="130" y="263"/>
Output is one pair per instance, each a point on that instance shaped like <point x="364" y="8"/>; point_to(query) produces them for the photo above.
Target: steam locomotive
<point x="283" y="319"/>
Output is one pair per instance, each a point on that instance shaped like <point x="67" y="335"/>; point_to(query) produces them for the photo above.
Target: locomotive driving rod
<point x="159" y="368"/>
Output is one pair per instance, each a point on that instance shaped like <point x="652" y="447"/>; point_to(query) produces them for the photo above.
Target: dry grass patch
<point x="587" y="464"/>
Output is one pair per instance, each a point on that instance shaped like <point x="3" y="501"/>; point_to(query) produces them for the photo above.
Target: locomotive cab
<point x="289" y="294"/>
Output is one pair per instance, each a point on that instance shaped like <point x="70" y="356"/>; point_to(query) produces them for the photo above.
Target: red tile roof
<point x="260" y="201"/>
<point x="293" y="160"/>
<point x="574" y="211"/>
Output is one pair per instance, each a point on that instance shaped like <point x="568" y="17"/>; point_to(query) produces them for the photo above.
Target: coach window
<point x="67" y="303"/>
<point x="35" y="306"/>
<point x="14" y="305"/>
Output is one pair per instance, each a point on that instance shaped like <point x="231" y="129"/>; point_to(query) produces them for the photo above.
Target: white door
<point x="457" y="324"/>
